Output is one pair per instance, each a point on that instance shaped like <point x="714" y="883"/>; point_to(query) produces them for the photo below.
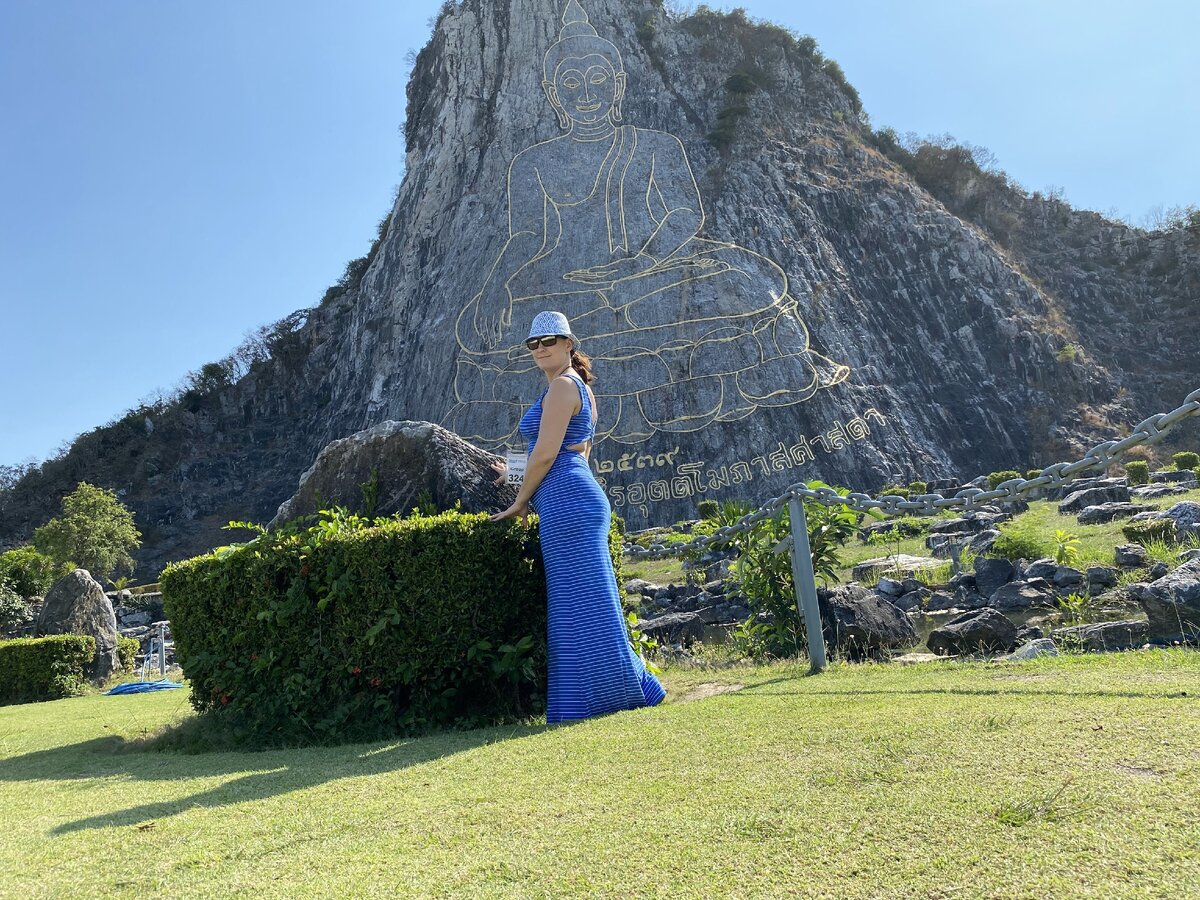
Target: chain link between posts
<point x="1149" y="431"/>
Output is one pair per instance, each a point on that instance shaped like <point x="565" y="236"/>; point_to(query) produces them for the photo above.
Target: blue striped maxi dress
<point x="592" y="666"/>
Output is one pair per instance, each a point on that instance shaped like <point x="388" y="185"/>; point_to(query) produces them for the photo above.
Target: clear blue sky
<point x="173" y="175"/>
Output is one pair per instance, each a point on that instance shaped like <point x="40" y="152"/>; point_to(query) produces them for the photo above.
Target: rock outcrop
<point x="77" y="604"/>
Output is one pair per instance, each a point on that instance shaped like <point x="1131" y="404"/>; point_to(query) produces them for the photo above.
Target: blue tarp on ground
<point x="142" y="687"/>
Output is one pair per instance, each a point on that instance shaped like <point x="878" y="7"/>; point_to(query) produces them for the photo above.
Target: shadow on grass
<point x="268" y="773"/>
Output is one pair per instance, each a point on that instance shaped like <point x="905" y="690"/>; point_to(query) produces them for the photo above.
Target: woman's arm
<point x="560" y="403"/>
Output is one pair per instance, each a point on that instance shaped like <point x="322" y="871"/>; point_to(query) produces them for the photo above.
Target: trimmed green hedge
<point x="351" y="630"/>
<point x="1186" y="460"/>
<point x="1137" y="471"/>
<point x="128" y="650"/>
<point x="46" y="668"/>
<point x="995" y="479"/>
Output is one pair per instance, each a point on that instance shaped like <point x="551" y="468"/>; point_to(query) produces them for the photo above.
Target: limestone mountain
<point x="770" y="291"/>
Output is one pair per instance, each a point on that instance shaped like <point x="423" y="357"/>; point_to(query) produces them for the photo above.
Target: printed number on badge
<point x="516" y="467"/>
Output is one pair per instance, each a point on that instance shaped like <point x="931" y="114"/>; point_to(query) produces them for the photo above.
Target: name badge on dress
<point x="517" y="462"/>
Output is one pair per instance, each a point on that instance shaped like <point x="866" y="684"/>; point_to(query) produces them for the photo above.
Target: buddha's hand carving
<point x="614" y="270"/>
<point x="493" y="314"/>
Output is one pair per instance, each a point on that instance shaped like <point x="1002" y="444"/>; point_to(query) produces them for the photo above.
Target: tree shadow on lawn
<point x="288" y="770"/>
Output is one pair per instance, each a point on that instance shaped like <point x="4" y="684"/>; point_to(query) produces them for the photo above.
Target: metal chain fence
<point x="1149" y="431"/>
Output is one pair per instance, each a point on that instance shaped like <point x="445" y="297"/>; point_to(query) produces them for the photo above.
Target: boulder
<point x="1131" y="556"/>
<point x="1152" y="491"/>
<point x="1182" y="519"/>
<point x="640" y="586"/>
<point x="1040" y="568"/>
<point x="1032" y="650"/>
<point x="1158" y="570"/>
<point x="1094" y="496"/>
<point x="940" y="601"/>
<point x="982" y="542"/>
<point x="674" y="628"/>
<point x="978" y="631"/>
<point x="858" y="623"/>
<point x="906" y="565"/>
<point x="1172" y="604"/>
<point x="1189" y="555"/>
<point x="404" y="459"/>
<point x="1184" y="478"/>
<point x="1022" y="595"/>
<point x="77" y="604"/>
<point x="1104" y="636"/>
<point x="1107" y="512"/>
<point x="912" y="600"/>
<point x="1066" y="577"/>
<point x="1100" y="577"/>
<point x="1081" y="484"/>
<point x="992" y="574"/>
<point x="889" y="587"/>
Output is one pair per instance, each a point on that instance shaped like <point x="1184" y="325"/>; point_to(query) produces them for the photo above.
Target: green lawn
<point x="1077" y="776"/>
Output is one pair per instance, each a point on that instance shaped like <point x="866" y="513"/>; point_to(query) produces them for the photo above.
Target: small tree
<point x="95" y="532"/>
<point x="29" y="572"/>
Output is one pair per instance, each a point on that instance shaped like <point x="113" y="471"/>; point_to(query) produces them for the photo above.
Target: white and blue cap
<point x="546" y="323"/>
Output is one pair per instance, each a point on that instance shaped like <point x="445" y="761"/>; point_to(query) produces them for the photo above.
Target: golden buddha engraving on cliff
<point x="604" y="224"/>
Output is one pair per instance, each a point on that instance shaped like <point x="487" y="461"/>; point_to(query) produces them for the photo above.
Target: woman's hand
<point x="501" y="467"/>
<point x="517" y="509"/>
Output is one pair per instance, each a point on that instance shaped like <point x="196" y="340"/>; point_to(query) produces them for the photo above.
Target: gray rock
<point x="1040" y="568"/>
<point x="890" y="587"/>
<point x="639" y="586"/>
<point x="134" y="617"/>
<point x="982" y="542"/>
<point x="940" y="601"/>
<point x="867" y="569"/>
<point x="1104" y="636"/>
<point x="1184" y="478"/>
<point x="716" y="588"/>
<point x="407" y="458"/>
<point x="77" y="604"/>
<point x="1081" y="484"/>
<point x="1066" y="576"/>
<point x="674" y="628"/>
<point x="1131" y="556"/>
<point x="1080" y="500"/>
<point x="1032" y="650"/>
<point x="912" y="600"/>
<point x="1022" y="595"/>
<point x="1172" y="604"/>
<point x="992" y="574"/>
<point x="858" y="623"/>
<point x="1153" y="491"/>
<point x="1029" y="633"/>
<point x="1101" y="577"/>
<point x="1189" y="555"/>
<point x="1158" y="570"/>
<point x="979" y="631"/>
<point x="1107" y="512"/>
<point x="911" y="584"/>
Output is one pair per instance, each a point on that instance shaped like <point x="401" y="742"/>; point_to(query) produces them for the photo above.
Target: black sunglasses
<point x="548" y="341"/>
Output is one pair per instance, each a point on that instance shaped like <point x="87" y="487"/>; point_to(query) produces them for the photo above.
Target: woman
<point x="593" y="668"/>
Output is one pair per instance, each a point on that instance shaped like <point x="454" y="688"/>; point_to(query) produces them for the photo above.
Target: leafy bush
<point x="995" y="479"/>
<point x="13" y="610"/>
<point x="1150" y="530"/>
<point x="128" y="650"/>
<point x="916" y="488"/>
<point x="708" y="509"/>
<point x="765" y="578"/>
<point x="33" y="669"/>
<point x="1186" y="460"/>
<point x="1032" y="474"/>
<point x="1137" y="471"/>
<point x="1017" y="542"/>
<point x="340" y="629"/>
<point x="31" y="573"/>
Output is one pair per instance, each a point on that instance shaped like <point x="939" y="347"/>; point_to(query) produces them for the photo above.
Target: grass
<point x="1073" y="776"/>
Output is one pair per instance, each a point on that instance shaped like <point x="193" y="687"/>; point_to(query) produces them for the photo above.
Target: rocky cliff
<point x="771" y="291"/>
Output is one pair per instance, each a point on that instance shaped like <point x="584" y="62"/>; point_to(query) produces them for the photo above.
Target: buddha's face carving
<point x="586" y="90"/>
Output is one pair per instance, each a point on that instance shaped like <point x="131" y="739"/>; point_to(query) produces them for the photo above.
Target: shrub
<point x="708" y="509"/>
<point x="765" y="577"/>
<point x="1150" y="530"/>
<point x="1015" y="542"/>
<point x="995" y="479"/>
<point x="1186" y="460"/>
<point x="1137" y="471"/>
<point x="344" y="629"/>
<point x="47" y="668"/>
<point x="895" y="490"/>
<point x="1032" y="474"/>
<point x="916" y="488"/>
<point x="31" y="573"/>
<point x="13" y="610"/>
<point x="128" y="650"/>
